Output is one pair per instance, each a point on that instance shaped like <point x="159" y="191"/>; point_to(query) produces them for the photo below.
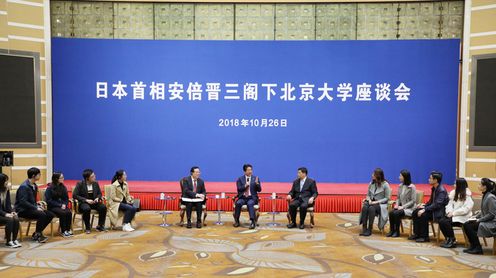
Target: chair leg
<point x="312" y="219"/>
<point x="29" y="226"/>
<point x="411" y="227"/>
<point x="401" y="227"/>
<point x="485" y="241"/>
<point x="438" y="238"/>
<point x="51" y="229"/>
<point x="92" y="219"/>
<point x="204" y="217"/>
<point x="433" y="230"/>
<point x="181" y="214"/>
<point x="20" y="231"/>
<point x="257" y="216"/>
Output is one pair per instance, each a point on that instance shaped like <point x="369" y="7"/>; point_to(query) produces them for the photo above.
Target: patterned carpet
<point x="331" y="249"/>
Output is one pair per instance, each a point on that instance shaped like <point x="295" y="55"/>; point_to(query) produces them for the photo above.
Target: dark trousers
<point x="395" y="217"/>
<point x="446" y="225"/>
<point x="11" y="227"/>
<point x="189" y="209"/>
<point x="293" y="209"/>
<point x="65" y="218"/>
<point x="369" y="212"/>
<point x="421" y="224"/>
<point x="129" y="212"/>
<point x="42" y="218"/>
<point x="471" y="228"/>
<point x="249" y="202"/>
<point x="86" y="208"/>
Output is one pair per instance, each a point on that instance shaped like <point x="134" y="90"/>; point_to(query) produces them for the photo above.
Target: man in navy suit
<point x="248" y="187"/>
<point x="434" y="209"/>
<point x="194" y="188"/>
<point x="302" y="194"/>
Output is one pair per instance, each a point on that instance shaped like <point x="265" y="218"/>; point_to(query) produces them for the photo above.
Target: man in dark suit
<point x="194" y="188"/>
<point x="89" y="196"/>
<point x="27" y="207"/>
<point x="248" y="187"/>
<point x="434" y="209"/>
<point x="302" y="194"/>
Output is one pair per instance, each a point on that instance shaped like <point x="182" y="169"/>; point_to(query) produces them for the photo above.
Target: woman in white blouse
<point x="458" y="211"/>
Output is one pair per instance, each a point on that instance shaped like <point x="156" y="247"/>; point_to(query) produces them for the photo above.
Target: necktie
<point x="194" y="186"/>
<point x="247" y="191"/>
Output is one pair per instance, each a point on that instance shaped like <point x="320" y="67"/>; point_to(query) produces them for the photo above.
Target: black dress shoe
<point x="475" y="251"/>
<point x="198" y="225"/>
<point x="302" y="226"/>
<point x="422" y="240"/>
<point x="412" y="237"/>
<point x="101" y="229"/>
<point x="468" y="249"/>
<point x="188" y="225"/>
<point x="252" y="225"/>
<point x="395" y="234"/>
<point x="236" y="224"/>
<point x="291" y="226"/>
<point x="390" y="234"/>
<point x="35" y="237"/>
<point x="42" y="238"/>
<point x="366" y="233"/>
<point x="449" y="243"/>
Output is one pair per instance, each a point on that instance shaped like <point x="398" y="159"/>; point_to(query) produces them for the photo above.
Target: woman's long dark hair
<point x="460" y="189"/>
<point x="490" y="186"/>
<point x="379" y="176"/>
<point x="57" y="187"/>
<point x="118" y="174"/>
<point x="407" y="178"/>
<point x="3" y="180"/>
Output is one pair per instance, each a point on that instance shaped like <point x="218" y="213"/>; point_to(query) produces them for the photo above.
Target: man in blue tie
<point x="302" y="194"/>
<point x="248" y="187"/>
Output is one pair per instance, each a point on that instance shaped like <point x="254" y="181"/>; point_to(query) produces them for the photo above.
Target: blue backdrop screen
<point x="340" y="108"/>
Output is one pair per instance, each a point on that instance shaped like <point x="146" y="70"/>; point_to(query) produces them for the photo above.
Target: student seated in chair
<point x="458" y="211"/>
<point x="248" y="187"/>
<point x="27" y="207"/>
<point x="404" y="204"/>
<point x="433" y="210"/>
<point x="7" y="216"/>
<point x="302" y="194"/>
<point x="89" y="196"/>
<point x="484" y="223"/>
<point x="378" y="196"/>
<point x="121" y="200"/>
<point x="194" y="188"/>
<point x="58" y="201"/>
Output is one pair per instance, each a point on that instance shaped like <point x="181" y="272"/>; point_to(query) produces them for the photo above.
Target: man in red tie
<point x="248" y="187"/>
<point x="194" y="191"/>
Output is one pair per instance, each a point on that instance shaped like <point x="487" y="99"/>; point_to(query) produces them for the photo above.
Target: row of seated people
<point x="87" y="196"/>
<point x="449" y="210"/>
<point x="301" y="196"/>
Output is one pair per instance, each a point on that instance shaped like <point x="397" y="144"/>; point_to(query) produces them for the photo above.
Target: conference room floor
<point x="331" y="249"/>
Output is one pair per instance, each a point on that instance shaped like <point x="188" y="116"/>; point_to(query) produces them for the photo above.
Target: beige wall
<point x="479" y="38"/>
<point x="25" y="25"/>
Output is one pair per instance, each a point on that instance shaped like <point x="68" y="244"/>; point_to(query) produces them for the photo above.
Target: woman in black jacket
<point x="7" y="216"/>
<point x="57" y="200"/>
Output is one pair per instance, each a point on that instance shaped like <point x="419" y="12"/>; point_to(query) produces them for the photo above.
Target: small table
<point x="219" y="212"/>
<point x="165" y="212"/>
<point x="273" y="212"/>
